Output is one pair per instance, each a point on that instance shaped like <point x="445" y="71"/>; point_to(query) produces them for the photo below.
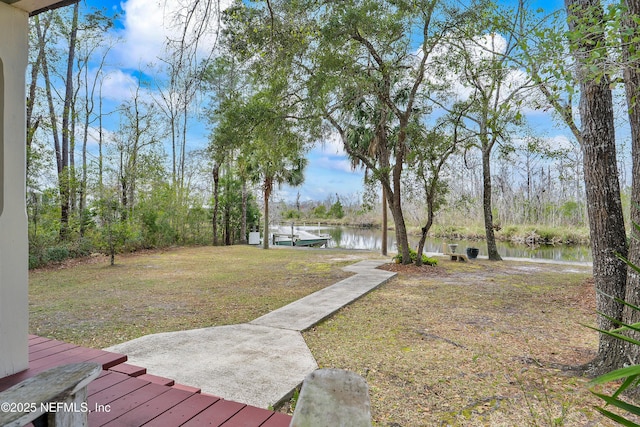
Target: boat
<point x="298" y="237"/>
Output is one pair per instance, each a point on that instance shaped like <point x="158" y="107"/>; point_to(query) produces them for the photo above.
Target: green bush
<point x="414" y="256"/>
<point x="320" y="211"/>
<point x="57" y="254"/>
<point x="509" y="232"/>
<point x="291" y="214"/>
<point x="336" y="210"/>
<point x="80" y="248"/>
<point x="34" y="261"/>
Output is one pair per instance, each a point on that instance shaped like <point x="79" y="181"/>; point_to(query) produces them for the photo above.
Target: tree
<point x="367" y="80"/>
<point x="273" y="152"/>
<point x="427" y="159"/>
<point x="138" y="135"/>
<point x="267" y="41"/>
<point x="91" y="42"/>
<point x="33" y="119"/>
<point x="336" y="210"/>
<point x="597" y="138"/>
<point x="482" y="59"/>
<point x="114" y="232"/>
<point x="195" y="26"/>
<point x="61" y="140"/>
<point x="224" y="80"/>
<point x="630" y="47"/>
<point x="543" y="52"/>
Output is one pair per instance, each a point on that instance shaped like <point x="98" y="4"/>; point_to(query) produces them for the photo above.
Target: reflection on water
<point x="357" y="238"/>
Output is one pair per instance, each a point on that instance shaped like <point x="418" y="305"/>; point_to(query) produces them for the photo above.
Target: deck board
<point x="116" y="391"/>
<point x="277" y="420"/>
<point x="249" y="416"/>
<point x="154" y="407"/>
<point x="131" y="370"/>
<point x="183" y="412"/>
<point x="104" y="381"/>
<point x="216" y="414"/>
<point x="34" y="339"/>
<point x="126" y="403"/>
<point x="133" y="401"/>
<point x="45" y="351"/>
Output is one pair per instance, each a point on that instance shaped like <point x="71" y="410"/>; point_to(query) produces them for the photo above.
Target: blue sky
<point x="141" y="26"/>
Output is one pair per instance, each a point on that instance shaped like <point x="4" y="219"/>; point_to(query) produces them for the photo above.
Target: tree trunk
<point x="183" y="155"/>
<point x="267" y="193"/>
<point x="425" y="231"/>
<point x="606" y="223"/>
<point x="243" y="215"/>
<point x="632" y="88"/>
<point x="83" y="183"/>
<point x="492" y="248"/>
<point x="396" y="198"/>
<point x="172" y="122"/>
<point x="395" y="206"/>
<point x="216" y="201"/>
<point x="227" y="213"/>
<point x="65" y="178"/>
<point x="100" y="141"/>
<point x="385" y="223"/>
<point x="431" y="192"/>
<point x="41" y="29"/>
<point x="32" y="124"/>
<point x="73" y="182"/>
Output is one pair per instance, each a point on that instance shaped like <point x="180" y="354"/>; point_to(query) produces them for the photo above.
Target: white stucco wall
<point x="14" y="317"/>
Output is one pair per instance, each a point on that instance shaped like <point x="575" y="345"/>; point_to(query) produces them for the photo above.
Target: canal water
<point x="359" y="238"/>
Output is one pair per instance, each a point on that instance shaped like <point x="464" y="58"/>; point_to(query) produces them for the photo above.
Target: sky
<point x="142" y="27"/>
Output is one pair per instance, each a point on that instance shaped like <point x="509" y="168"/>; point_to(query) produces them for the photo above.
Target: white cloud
<point x="488" y="45"/>
<point x="332" y="146"/>
<point x="335" y="163"/>
<point x="93" y="137"/>
<point x="330" y="154"/>
<point x="149" y="24"/>
<point x="561" y="142"/>
<point x="143" y="35"/>
<point x="481" y="48"/>
<point x="118" y="86"/>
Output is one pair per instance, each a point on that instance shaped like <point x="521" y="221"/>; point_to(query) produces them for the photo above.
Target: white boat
<point x="289" y="236"/>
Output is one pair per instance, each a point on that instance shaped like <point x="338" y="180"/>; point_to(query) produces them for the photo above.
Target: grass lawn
<point x="96" y="305"/>
<point x="461" y="344"/>
<point x="470" y="344"/>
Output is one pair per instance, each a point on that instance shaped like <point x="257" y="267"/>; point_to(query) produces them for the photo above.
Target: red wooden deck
<point x="125" y="395"/>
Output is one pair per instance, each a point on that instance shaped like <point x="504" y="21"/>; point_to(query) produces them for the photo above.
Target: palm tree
<point x="274" y="152"/>
<point x="291" y="174"/>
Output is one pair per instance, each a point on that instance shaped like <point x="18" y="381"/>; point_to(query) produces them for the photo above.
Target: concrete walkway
<point x="258" y="363"/>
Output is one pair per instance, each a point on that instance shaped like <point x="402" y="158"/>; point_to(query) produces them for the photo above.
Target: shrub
<point x="509" y="232"/>
<point x="81" y="248"/>
<point x="336" y="210"/>
<point x="34" y="262"/>
<point x="414" y="256"/>
<point x="57" y="254"/>
<point x="320" y="211"/>
<point x="291" y="214"/>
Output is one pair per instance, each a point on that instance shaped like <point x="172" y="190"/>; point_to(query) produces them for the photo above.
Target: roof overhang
<point x="35" y="7"/>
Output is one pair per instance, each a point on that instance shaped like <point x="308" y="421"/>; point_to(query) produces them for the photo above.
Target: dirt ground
<point x="470" y="344"/>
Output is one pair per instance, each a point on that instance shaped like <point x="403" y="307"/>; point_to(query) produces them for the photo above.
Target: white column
<point x="14" y="314"/>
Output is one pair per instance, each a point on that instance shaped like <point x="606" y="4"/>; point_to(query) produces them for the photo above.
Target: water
<point x="358" y="238"/>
